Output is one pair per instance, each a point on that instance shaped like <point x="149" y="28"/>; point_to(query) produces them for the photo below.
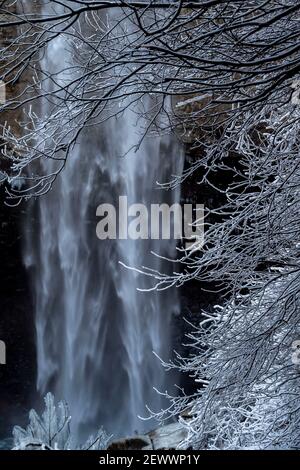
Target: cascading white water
<point x="96" y="332"/>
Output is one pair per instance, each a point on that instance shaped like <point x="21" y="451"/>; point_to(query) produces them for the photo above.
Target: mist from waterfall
<point x="95" y="331"/>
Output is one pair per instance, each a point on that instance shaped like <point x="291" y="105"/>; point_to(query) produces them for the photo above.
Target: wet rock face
<point x="196" y="296"/>
<point x="17" y="376"/>
<point x="132" y="443"/>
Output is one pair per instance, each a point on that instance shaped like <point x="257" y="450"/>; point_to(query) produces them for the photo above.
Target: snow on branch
<point x="52" y="431"/>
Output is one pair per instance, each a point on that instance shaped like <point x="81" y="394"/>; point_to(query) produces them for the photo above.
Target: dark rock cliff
<point x="17" y="377"/>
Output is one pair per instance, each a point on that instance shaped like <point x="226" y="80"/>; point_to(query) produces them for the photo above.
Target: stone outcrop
<point x="165" y="437"/>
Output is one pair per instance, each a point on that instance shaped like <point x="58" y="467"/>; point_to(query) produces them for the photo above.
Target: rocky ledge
<point x="165" y="437"/>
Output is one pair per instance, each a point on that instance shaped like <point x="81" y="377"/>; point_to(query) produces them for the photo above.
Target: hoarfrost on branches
<point x="249" y="389"/>
<point x="251" y="398"/>
<point x="231" y="70"/>
<point x="237" y="56"/>
<point x="52" y="431"/>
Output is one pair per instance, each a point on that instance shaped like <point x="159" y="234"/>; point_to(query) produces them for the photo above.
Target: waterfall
<point x="95" y="331"/>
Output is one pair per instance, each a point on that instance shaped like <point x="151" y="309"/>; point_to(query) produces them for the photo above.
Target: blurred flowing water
<point x="96" y="332"/>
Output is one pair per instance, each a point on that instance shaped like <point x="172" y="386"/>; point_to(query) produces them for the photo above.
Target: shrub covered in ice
<point x="52" y="431"/>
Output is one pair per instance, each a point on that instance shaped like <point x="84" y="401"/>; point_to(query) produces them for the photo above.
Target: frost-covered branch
<point x="52" y="431"/>
<point x="238" y="57"/>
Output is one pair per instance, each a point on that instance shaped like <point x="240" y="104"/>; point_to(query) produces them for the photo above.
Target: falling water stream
<point x="96" y="332"/>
